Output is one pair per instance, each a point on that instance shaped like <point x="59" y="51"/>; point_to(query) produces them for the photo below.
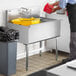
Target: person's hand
<point x="53" y="10"/>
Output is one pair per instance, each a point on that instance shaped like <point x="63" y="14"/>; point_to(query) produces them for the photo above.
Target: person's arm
<point x="56" y="3"/>
<point x="59" y="5"/>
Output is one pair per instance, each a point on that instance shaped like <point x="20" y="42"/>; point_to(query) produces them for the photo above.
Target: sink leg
<point x="40" y="47"/>
<point x="56" y="50"/>
<point x="26" y="46"/>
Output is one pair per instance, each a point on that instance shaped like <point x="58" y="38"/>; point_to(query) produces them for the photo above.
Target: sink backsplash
<point x="23" y="12"/>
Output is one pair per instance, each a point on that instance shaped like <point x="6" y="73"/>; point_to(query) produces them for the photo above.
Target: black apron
<point x="71" y="8"/>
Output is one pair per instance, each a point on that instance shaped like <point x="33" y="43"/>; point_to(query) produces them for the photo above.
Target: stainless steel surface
<point x="56" y="50"/>
<point x="43" y="19"/>
<point x="26" y="46"/>
<point x="40" y="47"/>
<point x="49" y="28"/>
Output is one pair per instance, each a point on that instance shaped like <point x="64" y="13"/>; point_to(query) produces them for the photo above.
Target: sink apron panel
<point x="44" y="31"/>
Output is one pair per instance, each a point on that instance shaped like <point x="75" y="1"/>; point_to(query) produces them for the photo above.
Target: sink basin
<point x="48" y="28"/>
<point x="43" y="19"/>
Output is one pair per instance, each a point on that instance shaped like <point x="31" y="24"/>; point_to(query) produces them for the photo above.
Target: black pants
<point x="71" y="8"/>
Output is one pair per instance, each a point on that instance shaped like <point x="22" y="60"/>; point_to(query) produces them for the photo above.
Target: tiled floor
<point x="37" y="63"/>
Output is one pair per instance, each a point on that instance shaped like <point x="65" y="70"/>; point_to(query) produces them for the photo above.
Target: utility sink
<point x="48" y="28"/>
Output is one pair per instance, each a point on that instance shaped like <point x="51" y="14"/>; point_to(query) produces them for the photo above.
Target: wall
<point x="13" y="4"/>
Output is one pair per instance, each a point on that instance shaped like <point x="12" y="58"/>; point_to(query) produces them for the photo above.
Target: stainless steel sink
<point x="48" y="28"/>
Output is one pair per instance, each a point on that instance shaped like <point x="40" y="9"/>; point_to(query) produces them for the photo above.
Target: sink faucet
<point x="24" y="11"/>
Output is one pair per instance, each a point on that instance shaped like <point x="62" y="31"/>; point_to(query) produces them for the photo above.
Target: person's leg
<point x="72" y="20"/>
<point x="72" y="54"/>
<point x="73" y="45"/>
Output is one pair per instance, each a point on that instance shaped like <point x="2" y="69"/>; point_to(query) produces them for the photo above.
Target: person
<point x="70" y="6"/>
